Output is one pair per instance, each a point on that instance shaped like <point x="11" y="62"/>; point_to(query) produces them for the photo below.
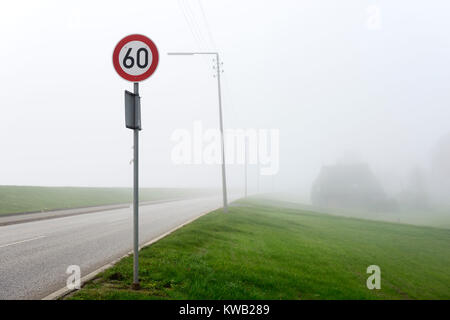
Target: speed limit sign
<point x="135" y="57"/>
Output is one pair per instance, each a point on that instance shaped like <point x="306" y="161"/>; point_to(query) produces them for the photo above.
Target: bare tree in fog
<point x="349" y="186"/>
<point x="440" y="171"/>
<point x="415" y="192"/>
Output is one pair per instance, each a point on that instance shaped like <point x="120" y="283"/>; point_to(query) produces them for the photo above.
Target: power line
<point x="207" y="25"/>
<point x="212" y="42"/>
<point x="197" y="33"/>
<point x="187" y="19"/>
<point x="195" y="24"/>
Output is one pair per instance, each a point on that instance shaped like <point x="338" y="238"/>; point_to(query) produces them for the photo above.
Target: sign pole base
<point x="136" y="286"/>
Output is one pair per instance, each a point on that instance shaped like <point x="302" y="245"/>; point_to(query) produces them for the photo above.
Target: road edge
<point x="47" y="215"/>
<point x="66" y="291"/>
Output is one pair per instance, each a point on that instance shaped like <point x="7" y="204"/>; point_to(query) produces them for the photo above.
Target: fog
<point x="341" y="82"/>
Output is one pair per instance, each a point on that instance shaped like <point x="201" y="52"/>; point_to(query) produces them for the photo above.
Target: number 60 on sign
<point x="135" y="57"/>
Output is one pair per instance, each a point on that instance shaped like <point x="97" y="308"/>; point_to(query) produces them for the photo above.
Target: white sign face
<point x="135" y="57"/>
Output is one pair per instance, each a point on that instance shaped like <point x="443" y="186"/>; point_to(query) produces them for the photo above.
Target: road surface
<point x="34" y="256"/>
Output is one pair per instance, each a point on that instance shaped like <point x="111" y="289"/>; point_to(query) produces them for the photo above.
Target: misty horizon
<point x="336" y="89"/>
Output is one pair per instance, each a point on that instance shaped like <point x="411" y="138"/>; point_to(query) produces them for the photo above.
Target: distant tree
<point x="349" y="186"/>
<point x="415" y="193"/>
<point x="440" y="171"/>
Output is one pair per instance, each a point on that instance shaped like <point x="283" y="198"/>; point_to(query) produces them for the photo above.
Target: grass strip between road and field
<point x="272" y="250"/>
<point x="19" y="199"/>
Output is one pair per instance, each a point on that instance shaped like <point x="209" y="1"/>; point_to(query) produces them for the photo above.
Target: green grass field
<point x="15" y="199"/>
<point x="273" y="250"/>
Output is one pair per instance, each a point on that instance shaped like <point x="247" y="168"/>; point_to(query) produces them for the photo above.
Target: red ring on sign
<point x="153" y="49"/>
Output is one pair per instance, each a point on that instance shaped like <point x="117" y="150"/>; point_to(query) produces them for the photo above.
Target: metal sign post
<point x="136" y="198"/>
<point x="135" y="58"/>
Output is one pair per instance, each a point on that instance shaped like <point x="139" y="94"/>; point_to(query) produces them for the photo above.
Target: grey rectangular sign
<point x="132" y="111"/>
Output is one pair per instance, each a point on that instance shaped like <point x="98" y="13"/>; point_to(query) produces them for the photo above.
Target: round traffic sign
<point x="135" y="57"/>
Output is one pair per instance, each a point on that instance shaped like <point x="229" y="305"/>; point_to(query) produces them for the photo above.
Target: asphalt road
<point x="34" y="256"/>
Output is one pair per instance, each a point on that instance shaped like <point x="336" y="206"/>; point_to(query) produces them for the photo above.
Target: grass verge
<point x="16" y="199"/>
<point x="273" y="250"/>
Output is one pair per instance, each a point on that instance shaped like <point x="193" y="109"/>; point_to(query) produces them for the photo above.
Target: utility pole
<point x="222" y="138"/>
<point x="257" y="166"/>
<point x="273" y="183"/>
<point x="245" y="166"/>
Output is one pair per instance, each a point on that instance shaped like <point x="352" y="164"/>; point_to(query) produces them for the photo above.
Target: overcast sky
<point x="333" y="86"/>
